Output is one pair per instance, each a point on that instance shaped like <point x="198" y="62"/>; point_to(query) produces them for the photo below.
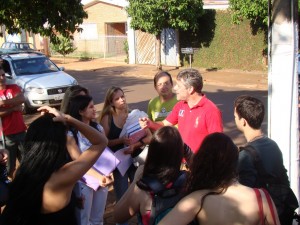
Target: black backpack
<point x="281" y="193"/>
<point x="164" y="198"/>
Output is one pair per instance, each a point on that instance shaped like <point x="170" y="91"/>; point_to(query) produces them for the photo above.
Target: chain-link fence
<point x="114" y="48"/>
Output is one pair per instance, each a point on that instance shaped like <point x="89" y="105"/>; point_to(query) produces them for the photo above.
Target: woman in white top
<point x="94" y="198"/>
<point x="215" y="196"/>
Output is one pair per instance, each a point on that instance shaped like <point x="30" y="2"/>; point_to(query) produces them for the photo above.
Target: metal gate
<point x="145" y="48"/>
<point x="169" y="48"/>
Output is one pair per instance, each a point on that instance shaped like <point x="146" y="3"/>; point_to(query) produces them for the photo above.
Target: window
<point x="89" y="31"/>
<point x="6" y="67"/>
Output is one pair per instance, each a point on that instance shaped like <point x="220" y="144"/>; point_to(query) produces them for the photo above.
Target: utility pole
<point x="283" y="119"/>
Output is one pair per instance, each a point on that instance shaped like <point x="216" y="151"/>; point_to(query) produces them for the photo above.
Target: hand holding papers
<point x="107" y="162"/>
<point x="91" y="181"/>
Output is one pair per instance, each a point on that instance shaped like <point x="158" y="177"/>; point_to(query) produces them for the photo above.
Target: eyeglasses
<point x="167" y="83"/>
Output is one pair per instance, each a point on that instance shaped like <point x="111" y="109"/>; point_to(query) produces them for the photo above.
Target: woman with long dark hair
<point x="215" y="196"/>
<point x="163" y="163"/>
<point x="42" y="189"/>
<point x="82" y="108"/>
<point x="70" y="93"/>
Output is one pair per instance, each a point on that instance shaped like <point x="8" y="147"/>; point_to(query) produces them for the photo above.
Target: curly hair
<point x="214" y="165"/>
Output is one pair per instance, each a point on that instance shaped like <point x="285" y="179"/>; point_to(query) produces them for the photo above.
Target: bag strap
<point x="157" y="187"/>
<point x="181" y="179"/>
<point x="260" y="205"/>
<point x="263" y="177"/>
<point x="270" y="205"/>
<point x="154" y="184"/>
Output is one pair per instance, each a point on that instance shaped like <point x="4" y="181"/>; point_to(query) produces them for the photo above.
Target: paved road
<point x="138" y="91"/>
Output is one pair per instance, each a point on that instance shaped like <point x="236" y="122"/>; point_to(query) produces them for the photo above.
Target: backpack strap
<point x="180" y="181"/>
<point x="263" y="177"/>
<point x="164" y="198"/>
<point x="154" y="184"/>
<point x="158" y="188"/>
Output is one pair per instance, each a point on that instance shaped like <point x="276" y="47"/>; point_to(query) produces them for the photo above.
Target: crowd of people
<point x="55" y="169"/>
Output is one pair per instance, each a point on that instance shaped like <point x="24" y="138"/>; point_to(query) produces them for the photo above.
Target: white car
<point x="41" y="81"/>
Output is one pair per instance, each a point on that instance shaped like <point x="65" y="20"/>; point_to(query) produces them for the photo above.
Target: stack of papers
<point x="135" y="132"/>
<point x="106" y="164"/>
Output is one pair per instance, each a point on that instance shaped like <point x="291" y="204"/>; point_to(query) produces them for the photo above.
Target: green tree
<point x="64" y="46"/>
<point x="152" y="16"/>
<point x="254" y="10"/>
<point x="42" y="16"/>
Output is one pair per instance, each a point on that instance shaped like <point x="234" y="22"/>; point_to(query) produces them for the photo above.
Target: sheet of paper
<point x="91" y="181"/>
<point x="125" y="161"/>
<point x="107" y="162"/>
<point x="133" y="127"/>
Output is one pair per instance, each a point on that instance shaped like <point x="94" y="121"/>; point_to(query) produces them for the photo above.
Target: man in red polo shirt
<point x="195" y="115"/>
<point x="13" y="126"/>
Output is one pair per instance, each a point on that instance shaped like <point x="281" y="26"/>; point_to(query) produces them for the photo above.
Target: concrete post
<point x="283" y="85"/>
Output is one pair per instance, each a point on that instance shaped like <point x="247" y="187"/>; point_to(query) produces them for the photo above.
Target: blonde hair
<point x="108" y="108"/>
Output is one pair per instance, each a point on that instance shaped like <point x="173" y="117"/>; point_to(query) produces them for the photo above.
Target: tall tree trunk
<point x="158" y="52"/>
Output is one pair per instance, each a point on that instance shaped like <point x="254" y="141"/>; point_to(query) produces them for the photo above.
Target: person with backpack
<point x="260" y="160"/>
<point x="215" y="195"/>
<point x="159" y="184"/>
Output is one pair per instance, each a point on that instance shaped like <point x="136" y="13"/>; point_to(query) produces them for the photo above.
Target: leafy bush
<point x="64" y="46"/>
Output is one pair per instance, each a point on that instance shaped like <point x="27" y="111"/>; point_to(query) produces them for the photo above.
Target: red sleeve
<point x="173" y="116"/>
<point x="16" y="89"/>
<point x="214" y="121"/>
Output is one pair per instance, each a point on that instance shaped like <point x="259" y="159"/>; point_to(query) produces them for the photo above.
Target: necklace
<point x="256" y="138"/>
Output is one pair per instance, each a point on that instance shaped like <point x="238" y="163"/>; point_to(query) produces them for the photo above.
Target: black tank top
<point x="65" y="216"/>
<point x="114" y="133"/>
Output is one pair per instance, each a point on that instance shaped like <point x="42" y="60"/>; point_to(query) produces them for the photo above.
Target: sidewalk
<point x="243" y="79"/>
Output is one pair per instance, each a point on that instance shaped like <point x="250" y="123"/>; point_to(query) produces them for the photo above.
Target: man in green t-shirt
<point x="160" y="106"/>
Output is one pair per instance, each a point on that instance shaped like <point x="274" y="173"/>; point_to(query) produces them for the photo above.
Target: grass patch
<point x="224" y="45"/>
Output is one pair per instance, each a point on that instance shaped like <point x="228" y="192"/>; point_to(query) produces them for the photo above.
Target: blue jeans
<point x="14" y="145"/>
<point x="121" y="182"/>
